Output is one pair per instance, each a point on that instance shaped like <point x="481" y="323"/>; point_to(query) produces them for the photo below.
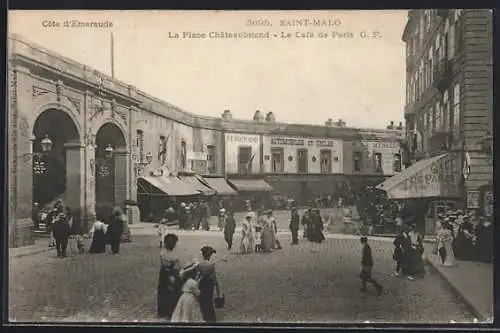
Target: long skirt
<point x="168" y="293"/>
<point x="207" y="300"/>
<point x="99" y="241"/>
<point x="187" y="310"/>
<point x="267" y="240"/>
<point x="416" y="263"/>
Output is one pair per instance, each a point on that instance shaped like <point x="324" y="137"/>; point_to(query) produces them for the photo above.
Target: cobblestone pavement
<point x="304" y="283"/>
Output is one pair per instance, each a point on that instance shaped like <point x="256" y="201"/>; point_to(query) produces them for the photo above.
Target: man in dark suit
<point x="367" y="266"/>
<point x="61" y="229"/>
<point x="294" y="226"/>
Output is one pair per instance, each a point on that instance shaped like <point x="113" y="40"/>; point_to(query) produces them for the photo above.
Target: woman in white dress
<point x="246" y="245"/>
<point x="445" y="245"/>
<point x="188" y="308"/>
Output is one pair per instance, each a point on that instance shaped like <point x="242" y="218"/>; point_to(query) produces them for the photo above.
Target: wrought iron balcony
<point x="442" y="74"/>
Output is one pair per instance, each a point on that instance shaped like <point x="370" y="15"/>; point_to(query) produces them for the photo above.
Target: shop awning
<point x="250" y="185"/>
<point x="197" y="183"/>
<point x="171" y="186"/>
<point x="221" y="186"/>
<point x="431" y="177"/>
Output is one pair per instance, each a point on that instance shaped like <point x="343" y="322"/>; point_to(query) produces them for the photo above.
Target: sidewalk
<point x="41" y="245"/>
<point x="471" y="281"/>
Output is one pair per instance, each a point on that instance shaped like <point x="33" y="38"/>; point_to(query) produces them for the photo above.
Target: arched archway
<point x="110" y="168"/>
<point x="50" y="168"/>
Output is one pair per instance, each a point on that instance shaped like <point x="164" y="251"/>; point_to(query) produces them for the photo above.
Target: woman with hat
<point x="208" y="284"/>
<point x="445" y="241"/>
<point x="464" y="243"/>
<point x="169" y="282"/>
<point x="246" y="245"/>
<point x="268" y="240"/>
<point x="188" y="308"/>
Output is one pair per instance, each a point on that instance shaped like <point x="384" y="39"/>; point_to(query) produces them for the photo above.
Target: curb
<point x="471" y="307"/>
<point x="30" y="253"/>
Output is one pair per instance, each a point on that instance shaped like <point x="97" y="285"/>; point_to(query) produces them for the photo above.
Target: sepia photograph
<point x="250" y="167"/>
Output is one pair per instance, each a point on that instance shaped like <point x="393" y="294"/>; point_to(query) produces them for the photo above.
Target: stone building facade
<point x="106" y="134"/>
<point x="449" y="102"/>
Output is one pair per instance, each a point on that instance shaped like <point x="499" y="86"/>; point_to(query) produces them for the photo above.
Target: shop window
<point x="456" y="112"/>
<point x="378" y="162"/>
<point x="277" y="164"/>
<point x="397" y="162"/>
<point x="357" y="161"/>
<point x="245" y="159"/>
<point x="139" y="142"/>
<point x="302" y="160"/>
<point x="211" y="159"/>
<point x="162" y="150"/>
<point x="326" y="161"/>
<point x="183" y="155"/>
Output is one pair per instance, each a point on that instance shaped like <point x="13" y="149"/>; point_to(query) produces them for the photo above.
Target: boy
<point x="367" y="266"/>
<point x="257" y="240"/>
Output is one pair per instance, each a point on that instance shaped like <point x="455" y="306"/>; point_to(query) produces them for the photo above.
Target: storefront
<point x="427" y="188"/>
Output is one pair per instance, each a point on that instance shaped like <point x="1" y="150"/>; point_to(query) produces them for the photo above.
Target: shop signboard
<point x="473" y="199"/>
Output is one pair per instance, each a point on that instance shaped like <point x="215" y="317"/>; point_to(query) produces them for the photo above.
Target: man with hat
<point x="294" y="226"/>
<point x="367" y="266"/>
<point x="229" y="228"/>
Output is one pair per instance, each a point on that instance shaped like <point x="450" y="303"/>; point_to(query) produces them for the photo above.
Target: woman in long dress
<point x="188" y="308"/>
<point x="246" y="235"/>
<point x="169" y="282"/>
<point x="267" y="236"/>
<point x="445" y="245"/>
<point x="98" y="236"/>
<point x="417" y="250"/>
<point x="208" y="284"/>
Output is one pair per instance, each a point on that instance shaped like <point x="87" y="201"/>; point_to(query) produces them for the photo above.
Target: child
<point x="80" y="244"/>
<point x="188" y="308"/>
<point x="257" y="239"/>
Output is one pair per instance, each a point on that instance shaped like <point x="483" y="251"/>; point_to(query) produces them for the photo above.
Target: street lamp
<point x="46" y="144"/>
<point x="109" y="151"/>
<point x="149" y="158"/>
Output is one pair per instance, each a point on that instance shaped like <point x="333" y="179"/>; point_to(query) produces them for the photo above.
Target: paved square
<point x="304" y="283"/>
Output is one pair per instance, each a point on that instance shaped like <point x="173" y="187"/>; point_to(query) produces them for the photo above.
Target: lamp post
<point x="139" y="166"/>
<point x="38" y="164"/>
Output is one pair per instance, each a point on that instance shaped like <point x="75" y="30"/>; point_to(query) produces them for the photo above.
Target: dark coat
<point x="115" y="228"/>
<point x="230" y="226"/>
<point x="398" y="247"/>
<point x="367" y="258"/>
<point x="294" y="221"/>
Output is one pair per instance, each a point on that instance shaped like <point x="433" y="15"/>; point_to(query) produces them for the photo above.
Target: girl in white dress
<point x="188" y="308"/>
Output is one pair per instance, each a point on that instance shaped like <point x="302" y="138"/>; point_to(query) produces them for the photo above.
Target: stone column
<point x="89" y="201"/>
<point x="22" y="167"/>
<point x="122" y="171"/>
<point x="75" y="182"/>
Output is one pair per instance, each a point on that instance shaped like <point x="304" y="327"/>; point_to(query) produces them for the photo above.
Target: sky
<point x="301" y="80"/>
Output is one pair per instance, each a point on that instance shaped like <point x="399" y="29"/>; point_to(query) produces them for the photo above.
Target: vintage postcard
<point x="250" y="166"/>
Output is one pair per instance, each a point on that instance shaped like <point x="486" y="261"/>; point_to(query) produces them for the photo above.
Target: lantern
<point x="149" y="157"/>
<point x="109" y="151"/>
<point x="46" y="144"/>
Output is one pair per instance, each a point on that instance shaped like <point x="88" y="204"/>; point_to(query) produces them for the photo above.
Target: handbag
<point x="219" y="301"/>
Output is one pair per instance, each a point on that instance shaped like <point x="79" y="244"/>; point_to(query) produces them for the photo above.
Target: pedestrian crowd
<point x="463" y="236"/>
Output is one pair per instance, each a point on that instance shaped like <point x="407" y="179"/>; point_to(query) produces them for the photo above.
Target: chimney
<point x="400" y="126"/>
<point x="391" y="125"/>
<point x="329" y="122"/>
<point x="227" y="115"/>
<point x="258" y="116"/>
<point x="270" y="118"/>
<point x="340" y="123"/>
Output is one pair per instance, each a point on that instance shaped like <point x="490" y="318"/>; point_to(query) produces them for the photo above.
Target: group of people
<point x="258" y="233"/>
<point x="59" y="223"/>
<point x="190" y="292"/>
<point x="313" y="225"/>
<point x="463" y="236"/>
<point x="102" y="234"/>
<point x="191" y="216"/>
<point x="408" y="251"/>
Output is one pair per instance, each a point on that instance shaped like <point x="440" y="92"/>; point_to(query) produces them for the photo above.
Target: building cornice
<point x="73" y="73"/>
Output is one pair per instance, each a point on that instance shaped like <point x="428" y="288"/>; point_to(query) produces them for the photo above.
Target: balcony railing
<point x="442" y="74"/>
